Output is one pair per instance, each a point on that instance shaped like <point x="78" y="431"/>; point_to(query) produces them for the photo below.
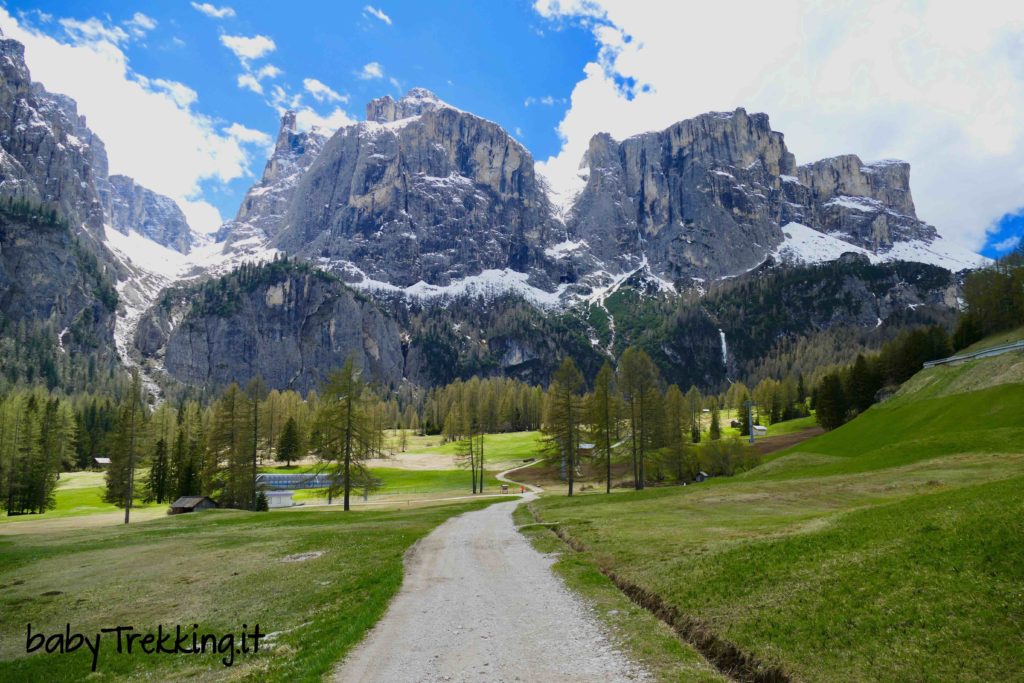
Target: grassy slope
<point x="217" y="568"/>
<point x="889" y="549"/>
<point x="497" y="447"/>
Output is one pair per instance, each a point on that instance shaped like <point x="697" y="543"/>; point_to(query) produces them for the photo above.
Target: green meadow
<point x="889" y="549"/>
<point x="315" y="579"/>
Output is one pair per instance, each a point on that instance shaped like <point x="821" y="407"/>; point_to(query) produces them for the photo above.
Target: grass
<point x="640" y="635"/>
<point x="497" y="447"/>
<point x="219" y="569"/>
<point x="889" y="549"/>
<point x="399" y="482"/>
<point x="78" y="493"/>
<point x="999" y="339"/>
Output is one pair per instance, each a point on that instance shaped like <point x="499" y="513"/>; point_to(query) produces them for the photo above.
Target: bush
<point x="726" y="457"/>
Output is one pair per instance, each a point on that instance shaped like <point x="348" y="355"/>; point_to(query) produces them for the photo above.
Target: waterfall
<point x="725" y="349"/>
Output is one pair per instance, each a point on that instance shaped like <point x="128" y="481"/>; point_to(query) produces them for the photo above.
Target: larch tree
<point x="638" y="382"/>
<point x="124" y="452"/>
<point x="603" y="414"/>
<point x="565" y="416"/>
<point x="343" y="429"/>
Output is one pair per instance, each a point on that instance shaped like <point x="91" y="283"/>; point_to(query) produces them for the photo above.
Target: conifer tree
<point x="603" y="413"/>
<point x="638" y="382"/>
<point x="565" y="417"/>
<point x="343" y="429"/>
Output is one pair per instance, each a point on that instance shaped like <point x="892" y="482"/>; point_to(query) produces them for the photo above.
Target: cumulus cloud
<point x="248" y="135"/>
<point x="247" y="48"/>
<point x="213" y="11"/>
<point x="938" y="84"/>
<point x="371" y="71"/>
<point x="248" y="81"/>
<point x="306" y="118"/>
<point x="370" y="10"/>
<point x="140" y="24"/>
<point x="321" y="92"/>
<point x="151" y="128"/>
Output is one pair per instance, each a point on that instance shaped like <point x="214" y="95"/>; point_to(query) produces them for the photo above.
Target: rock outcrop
<point x="130" y="206"/>
<point x="261" y="215"/>
<point x="47" y="154"/>
<point x="707" y="197"/>
<point x="422" y="191"/>
<point x="289" y="324"/>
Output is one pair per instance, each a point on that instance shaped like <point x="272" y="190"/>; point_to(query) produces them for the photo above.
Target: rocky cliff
<point x="130" y="206"/>
<point x="47" y="154"/>
<point x="288" y="323"/>
<point x="261" y="215"/>
<point x="421" y="191"/>
<point x="708" y="197"/>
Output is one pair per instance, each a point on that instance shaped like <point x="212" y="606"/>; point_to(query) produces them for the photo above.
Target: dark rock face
<point x="47" y="277"/>
<point x="47" y="155"/>
<point x="261" y="215"/>
<point x="292" y="327"/>
<point x="421" y="192"/>
<point x="707" y="197"/>
<point x="128" y="205"/>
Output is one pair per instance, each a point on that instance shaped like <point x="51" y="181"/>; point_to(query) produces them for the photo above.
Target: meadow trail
<point x="479" y="603"/>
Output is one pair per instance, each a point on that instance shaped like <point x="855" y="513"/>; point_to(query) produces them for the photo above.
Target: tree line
<point x="631" y="418"/>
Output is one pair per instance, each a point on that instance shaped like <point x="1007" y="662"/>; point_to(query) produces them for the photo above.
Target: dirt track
<point x="479" y="603"/>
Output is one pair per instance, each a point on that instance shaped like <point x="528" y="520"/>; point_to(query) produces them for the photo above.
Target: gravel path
<point x="478" y="603"/>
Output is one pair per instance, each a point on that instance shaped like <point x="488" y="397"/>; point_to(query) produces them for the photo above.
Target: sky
<point x="187" y="95"/>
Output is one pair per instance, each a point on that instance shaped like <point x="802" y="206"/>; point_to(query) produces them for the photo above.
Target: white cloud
<point x="140" y="24"/>
<point x="248" y="135"/>
<point x="321" y="92"/>
<point x="395" y="83"/>
<point x="938" y="84"/>
<point x="213" y="11"/>
<point x="371" y="71"/>
<point x="92" y="30"/>
<point x="182" y="95"/>
<point x="150" y="127"/>
<point x="306" y="118"/>
<point x="268" y="71"/>
<point x="1008" y="244"/>
<point x="546" y="100"/>
<point x="247" y="48"/>
<point x="249" y="82"/>
<point x="379" y="14"/>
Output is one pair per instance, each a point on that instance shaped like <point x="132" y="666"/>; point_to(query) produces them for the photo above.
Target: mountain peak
<point x="415" y="102"/>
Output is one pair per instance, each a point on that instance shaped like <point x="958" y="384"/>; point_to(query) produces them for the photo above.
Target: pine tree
<point x="157" y="484"/>
<point x="831" y="402"/>
<point x="715" y="431"/>
<point x="288" y="447"/>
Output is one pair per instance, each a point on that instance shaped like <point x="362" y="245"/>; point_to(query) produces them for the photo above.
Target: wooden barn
<point x="191" y="504"/>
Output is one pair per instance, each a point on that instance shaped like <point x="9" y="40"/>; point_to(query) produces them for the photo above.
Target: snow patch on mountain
<point x="805" y="245"/>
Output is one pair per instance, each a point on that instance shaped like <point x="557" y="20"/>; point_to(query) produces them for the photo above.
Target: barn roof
<point x="190" y="501"/>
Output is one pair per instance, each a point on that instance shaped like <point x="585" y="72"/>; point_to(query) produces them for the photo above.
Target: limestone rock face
<point x="130" y="206"/>
<point x="706" y="198"/>
<point x="292" y="329"/>
<point x="47" y="154"/>
<point x="261" y="215"/>
<point x="869" y="204"/>
<point x="422" y="191"/>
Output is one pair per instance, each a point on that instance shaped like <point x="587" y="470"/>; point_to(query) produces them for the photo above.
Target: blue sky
<point x="169" y="85"/>
<point x="499" y="60"/>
